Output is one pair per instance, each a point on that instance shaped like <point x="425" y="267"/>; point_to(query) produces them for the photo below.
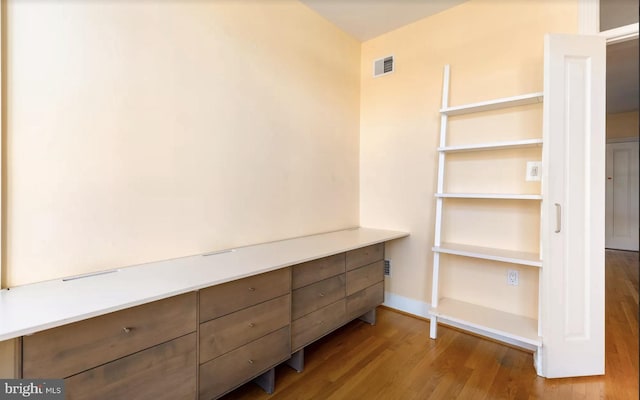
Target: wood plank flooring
<point x="396" y="359"/>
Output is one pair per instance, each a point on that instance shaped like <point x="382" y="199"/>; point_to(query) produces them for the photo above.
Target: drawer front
<point x="317" y="270"/>
<point x="313" y="297"/>
<point x="363" y="277"/>
<point x="313" y="326"/>
<point x="224" y="334"/>
<point x="166" y="371"/>
<point x="70" y="349"/>
<point x="224" y="299"/>
<point x="366" y="255"/>
<point x="365" y="300"/>
<point x="238" y="366"/>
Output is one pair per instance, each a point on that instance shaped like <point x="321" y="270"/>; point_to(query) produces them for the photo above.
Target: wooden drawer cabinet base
<point x="224" y="299"/>
<point x="166" y="371"/>
<point x="313" y="297"/>
<point x="317" y="270"/>
<point x="226" y="333"/>
<point x="70" y="349"/>
<point x="246" y="328"/>
<point x="312" y="326"/>
<point x="366" y="255"/>
<point x="232" y="369"/>
<point x="363" y="277"/>
<point x="365" y="300"/>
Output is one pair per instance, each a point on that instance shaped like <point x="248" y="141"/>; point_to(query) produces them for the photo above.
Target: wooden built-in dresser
<point x="213" y="332"/>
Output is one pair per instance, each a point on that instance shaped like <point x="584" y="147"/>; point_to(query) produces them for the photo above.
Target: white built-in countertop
<point x="31" y="308"/>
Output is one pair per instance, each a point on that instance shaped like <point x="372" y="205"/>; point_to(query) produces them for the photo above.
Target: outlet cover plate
<point x="534" y="171"/>
<point x="513" y="277"/>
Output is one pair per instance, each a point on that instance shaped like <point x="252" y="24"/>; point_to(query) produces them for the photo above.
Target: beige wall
<point x="622" y="125"/>
<point x="140" y="131"/>
<point x="495" y="49"/>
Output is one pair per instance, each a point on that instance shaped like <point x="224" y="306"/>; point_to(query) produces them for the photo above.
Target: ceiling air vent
<point x="383" y="66"/>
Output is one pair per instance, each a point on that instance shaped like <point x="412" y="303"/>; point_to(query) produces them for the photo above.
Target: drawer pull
<point x="252" y="289"/>
<point x="250" y="361"/>
<point x="251" y="325"/>
<point x="127" y="329"/>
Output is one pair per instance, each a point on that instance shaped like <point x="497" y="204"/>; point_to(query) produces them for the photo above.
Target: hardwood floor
<point x="396" y="359"/>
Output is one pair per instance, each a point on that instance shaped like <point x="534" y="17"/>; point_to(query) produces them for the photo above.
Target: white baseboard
<point x="405" y="304"/>
<point x="421" y="309"/>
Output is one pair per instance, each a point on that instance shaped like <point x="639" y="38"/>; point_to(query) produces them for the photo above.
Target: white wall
<point x="140" y="131"/>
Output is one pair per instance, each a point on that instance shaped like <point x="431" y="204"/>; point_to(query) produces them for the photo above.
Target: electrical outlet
<point x="387" y="267"/>
<point x="513" y="277"/>
<point x="534" y="171"/>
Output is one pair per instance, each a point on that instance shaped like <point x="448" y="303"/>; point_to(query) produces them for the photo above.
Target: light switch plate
<point x="534" y="170"/>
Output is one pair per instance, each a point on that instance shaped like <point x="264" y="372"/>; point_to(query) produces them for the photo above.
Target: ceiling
<point x="366" y="19"/>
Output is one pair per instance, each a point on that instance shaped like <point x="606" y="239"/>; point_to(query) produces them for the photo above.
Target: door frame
<point x="589" y="23"/>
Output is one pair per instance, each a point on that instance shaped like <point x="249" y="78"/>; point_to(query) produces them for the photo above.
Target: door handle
<point x="558" y="218"/>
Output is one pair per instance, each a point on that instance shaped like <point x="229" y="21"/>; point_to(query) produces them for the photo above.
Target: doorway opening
<point x="622" y="191"/>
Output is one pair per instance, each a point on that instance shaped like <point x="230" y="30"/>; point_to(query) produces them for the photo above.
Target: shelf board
<point x="514" y="144"/>
<point x="488" y="253"/>
<point x="497" y="196"/>
<point x="521" y="100"/>
<point x="512" y="326"/>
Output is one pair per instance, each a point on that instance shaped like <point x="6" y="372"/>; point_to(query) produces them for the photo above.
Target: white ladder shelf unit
<point x="465" y="315"/>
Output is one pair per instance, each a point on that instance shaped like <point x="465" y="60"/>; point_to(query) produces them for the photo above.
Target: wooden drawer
<point x="317" y="295"/>
<point x="366" y="255"/>
<point x="363" y="277"/>
<point x="365" y="300"/>
<point x="166" y="371"/>
<point x="70" y="349"/>
<point x="314" y="271"/>
<point x="220" y="300"/>
<point x="315" y="325"/>
<point x="229" y="371"/>
<point x="223" y="334"/>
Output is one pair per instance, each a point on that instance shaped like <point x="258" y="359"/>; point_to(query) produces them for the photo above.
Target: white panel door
<point x="621" y="229"/>
<point x="572" y="284"/>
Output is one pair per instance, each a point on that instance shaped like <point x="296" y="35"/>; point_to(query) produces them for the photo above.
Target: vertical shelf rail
<point x="444" y="119"/>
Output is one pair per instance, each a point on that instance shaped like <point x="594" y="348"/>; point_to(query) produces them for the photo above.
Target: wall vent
<point x="387" y="267"/>
<point x="383" y="66"/>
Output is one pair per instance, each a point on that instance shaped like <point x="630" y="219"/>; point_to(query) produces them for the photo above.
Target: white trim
<point x="407" y="305"/>
<point x="621" y="34"/>
<point x="589" y="23"/>
<point x="624" y="140"/>
<point x="588" y="17"/>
